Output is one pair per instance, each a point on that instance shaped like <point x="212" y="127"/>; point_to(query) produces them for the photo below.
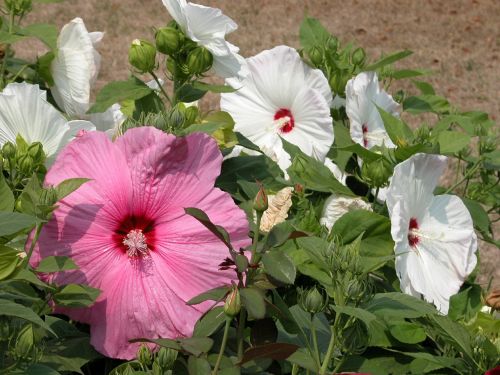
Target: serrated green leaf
<point x="68" y="186"/>
<point x="451" y="142"/>
<point x="13" y="222"/>
<point x="9" y="308"/>
<point x="76" y="295"/>
<point x="312" y="33"/>
<point x="408" y="333"/>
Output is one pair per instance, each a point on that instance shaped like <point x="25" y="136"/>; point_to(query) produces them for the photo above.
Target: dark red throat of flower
<point x="135" y="235"/>
<point x="412" y="237"/>
<point x="288" y="125"/>
<point x="364" y="128"/>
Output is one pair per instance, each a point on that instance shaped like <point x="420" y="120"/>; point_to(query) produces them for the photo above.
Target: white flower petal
<point x="367" y="127"/>
<point x="337" y="206"/>
<point x="339" y="175"/>
<point x="110" y="120"/>
<point x="24" y="111"/>
<point x="176" y="10"/>
<point x="205" y="23"/>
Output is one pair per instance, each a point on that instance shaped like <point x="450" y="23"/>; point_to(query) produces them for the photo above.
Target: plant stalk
<point x="222" y="347"/>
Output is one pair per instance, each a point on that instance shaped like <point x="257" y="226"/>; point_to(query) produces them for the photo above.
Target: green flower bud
<point x="377" y="172"/>
<point x="232" y="306"/>
<point x="48" y="196"/>
<point x="423" y="133"/>
<point x="142" y="56"/>
<point x="26" y="164"/>
<point x="144" y="355"/>
<point x="191" y="114"/>
<point x="168" y="40"/>
<point x="35" y="150"/>
<point x="177" y="117"/>
<point x="260" y="203"/>
<point x="312" y="300"/>
<point x="338" y="82"/>
<point x="25" y="342"/>
<point x="355" y="338"/>
<point x="332" y="44"/>
<point x="487" y="144"/>
<point x="166" y="358"/>
<point x="18" y="7"/>
<point x="9" y="150"/>
<point x="358" y="56"/>
<point x="316" y="55"/>
<point x="199" y="60"/>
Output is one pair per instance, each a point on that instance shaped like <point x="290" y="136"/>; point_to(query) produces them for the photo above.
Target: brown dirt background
<point x="458" y="40"/>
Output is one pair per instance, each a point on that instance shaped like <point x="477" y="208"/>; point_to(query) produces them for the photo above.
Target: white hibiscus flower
<point x="337" y="205"/>
<point x="75" y="68"/>
<point x="435" y="242"/>
<point x="362" y="95"/>
<point x="24" y="110"/>
<point x="208" y="27"/>
<point x="282" y="97"/>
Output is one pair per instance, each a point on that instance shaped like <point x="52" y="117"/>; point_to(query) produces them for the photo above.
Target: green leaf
<point x="9" y="258"/>
<point x="198" y="366"/>
<point x="356" y="312"/>
<point x="456" y="334"/>
<point x="213" y="88"/>
<point x="424" y="87"/>
<point x="216" y="294"/>
<point x="466" y="304"/>
<point x="68" y="186"/>
<point x="398" y="131"/>
<point x="118" y="91"/>
<point x="217" y="230"/>
<point x="279" y="266"/>
<point x="44" y="64"/>
<point x="7" y="199"/>
<point x="311" y="173"/>
<point x="276" y="350"/>
<point x="380" y="363"/>
<point x="38" y="369"/>
<point x="6" y="38"/>
<point x="312" y="33"/>
<point x="452" y="141"/>
<point x="13" y="222"/>
<point x="9" y="308"/>
<point x="388" y="60"/>
<point x="46" y="33"/>
<point x="479" y="216"/>
<point x="426" y="103"/>
<point x="365" y="154"/>
<point x="399" y="305"/>
<point x="210" y="322"/>
<point x="408" y="73"/>
<point x="56" y="264"/>
<point x="408" y="333"/>
<point x="76" y="295"/>
<point x="187" y="94"/>
<point x="192" y="345"/>
<point x="254" y="302"/>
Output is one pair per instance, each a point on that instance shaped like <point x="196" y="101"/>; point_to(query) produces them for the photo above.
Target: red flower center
<point x="412" y="237"/>
<point x="135" y="235"/>
<point x="364" y="128"/>
<point x="287" y="122"/>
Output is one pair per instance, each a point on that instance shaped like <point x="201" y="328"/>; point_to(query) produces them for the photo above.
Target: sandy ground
<point x="458" y="40"/>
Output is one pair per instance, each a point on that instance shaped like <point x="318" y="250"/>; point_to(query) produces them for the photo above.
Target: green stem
<point x="7" y="51"/>
<point x="19" y="72"/>
<point x="38" y="229"/>
<point x="315" y="342"/>
<point x="467" y="176"/>
<point x="157" y="80"/>
<point x="255" y="257"/>
<point x="222" y="347"/>
<point x="240" y="332"/>
<point x="329" y="351"/>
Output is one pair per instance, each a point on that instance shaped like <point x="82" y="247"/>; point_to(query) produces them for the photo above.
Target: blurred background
<point x="457" y="40"/>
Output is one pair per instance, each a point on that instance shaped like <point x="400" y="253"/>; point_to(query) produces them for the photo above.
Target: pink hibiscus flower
<point x="127" y="231"/>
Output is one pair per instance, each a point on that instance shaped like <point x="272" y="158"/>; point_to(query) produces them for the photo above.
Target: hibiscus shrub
<point x="306" y="228"/>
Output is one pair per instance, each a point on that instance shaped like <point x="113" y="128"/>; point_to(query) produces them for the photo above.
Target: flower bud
<point x="25" y="342"/>
<point x="332" y="44"/>
<point x="18" y="7"/>
<point x="377" y="172"/>
<point x="48" y="196"/>
<point x="493" y="299"/>
<point x="168" y="40"/>
<point x="358" y="56"/>
<point x="199" y="60"/>
<point x="9" y="150"/>
<point x="142" y="56"/>
<point x="316" y="55"/>
<point x="337" y="82"/>
<point x="26" y="164"/>
<point x="177" y="117"/>
<point x="260" y="202"/>
<point x="190" y="114"/>
<point x="232" y="306"/>
<point x="35" y="150"/>
<point x="166" y="358"/>
<point x="312" y="300"/>
<point x="144" y="355"/>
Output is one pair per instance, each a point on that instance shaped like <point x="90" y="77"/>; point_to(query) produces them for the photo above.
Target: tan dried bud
<point x="493" y="299"/>
<point x="277" y="211"/>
